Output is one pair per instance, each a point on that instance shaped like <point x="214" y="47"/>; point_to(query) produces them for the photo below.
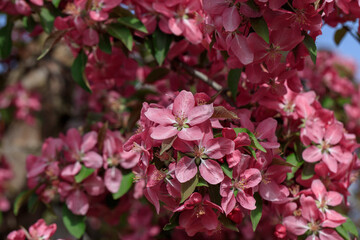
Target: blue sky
<point x="347" y="47"/>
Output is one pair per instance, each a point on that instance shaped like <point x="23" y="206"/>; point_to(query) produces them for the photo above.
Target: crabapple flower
<point x="240" y="188"/>
<point x="181" y="120"/>
<point x="81" y="150"/>
<point x="197" y="214"/>
<point x="202" y="153"/>
<point x="74" y="194"/>
<point x="327" y="149"/>
<point x="311" y="221"/>
<point x="324" y="199"/>
<point x="38" y="230"/>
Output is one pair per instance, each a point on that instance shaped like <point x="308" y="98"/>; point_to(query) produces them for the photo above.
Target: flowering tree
<point x="216" y="118"/>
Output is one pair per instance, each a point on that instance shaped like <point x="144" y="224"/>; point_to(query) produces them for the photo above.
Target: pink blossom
<point x="181" y="120"/>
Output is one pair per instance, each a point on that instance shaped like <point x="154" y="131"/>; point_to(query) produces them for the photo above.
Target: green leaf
<point x="160" y="45"/>
<point x="311" y="46"/>
<point x="5" y="40"/>
<point x="328" y="102"/>
<point x="173" y="222"/>
<point x="233" y="81"/>
<point x="56" y="3"/>
<point x="280" y="162"/>
<point x="157" y="74"/>
<point x="228" y="223"/>
<point x="28" y="23"/>
<point x="308" y="171"/>
<point x="252" y="151"/>
<point x="133" y="22"/>
<point x="21" y="199"/>
<point x="83" y="174"/>
<point x="228" y="172"/>
<point x="166" y="144"/>
<point x="51" y="41"/>
<point x="254" y="140"/>
<point x="33" y="203"/>
<point x="122" y="33"/>
<point x="1" y="218"/>
<point x="222" y="112"/>
<point x="214" y="193"/>
<point x="202" y="183"/>
<point x="188" y="188"/>
<point x="126" y="183"/>
<point x="349" y="226"/>
<point x="75" y="224"/>
<point x="47" y="19"/>
<point x="260" y="27"/>
<point x="342" y="232"/>
<point x="105" y="44"/>
<point x="339" y="35"/>
<point x="256" y="214"/>
<point x="77" y="71"/>
<point x="292" y="159"/>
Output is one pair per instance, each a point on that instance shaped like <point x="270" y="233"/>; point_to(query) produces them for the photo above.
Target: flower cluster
<point x="6" y="174"/>
<point x="24" y="103"/>
<point x="39" y="230"/>
<point x="246" y="144"/>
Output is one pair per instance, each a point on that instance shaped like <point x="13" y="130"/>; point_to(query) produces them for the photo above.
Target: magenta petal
<point x="333" y="198"/>
<point x="335" y="218"/>
<point x="209" y="220"/>
<point x="90" y="37"/>
<point x="219" y="147"/>
<point x="183" y="146"/>
<point x="228" y="203"/>
<point x="329" y="234"/>
<point x="94" y="185"/>
<point x="161" y="116"/>
<point x="89" y="141"/>
<point x="252" y="176"/>
<point x="200" y="114"/>
<point x="318" y="188"/>
<point x="185" y="169"/>
<point x="112" y="179"/>
<point x="183" y="103"/>
<point x="312" y="154"/>
<point x="150" y="194"/>
<point x="266" y="129"/>
<point x="240" y="47"/>
<point x="295" y="225"/>
<point x="211" y="171"/>
<point x="246" y="201"/>
<point x="231" y="19"/>
<point x="333" y="134"/>
<point x="71" y="170"/>
<point x="78" y="202"/>
<point x="73" y="139"/>
<point x="330" y="162"/>
<point x="191" y="134"/>
<point x="271" y="191"/>
<point x="98" y="15"/>
<point x="234" y="158"/>
<point x="161" y="132"/>
<point x="92" y="160"/>
<point x="176" y="26"/>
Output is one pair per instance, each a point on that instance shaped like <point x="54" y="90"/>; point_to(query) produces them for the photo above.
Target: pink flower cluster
<point x="39" y="230"/>
<point x="25" y="104"/>
<point x="6" y="174"/>
<point x="63" y="159"/>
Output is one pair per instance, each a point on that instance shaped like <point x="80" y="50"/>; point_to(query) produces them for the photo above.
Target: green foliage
<point x="75" y="224"/>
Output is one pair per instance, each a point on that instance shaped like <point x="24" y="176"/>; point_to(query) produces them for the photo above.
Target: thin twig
<point x="201" y="76"/>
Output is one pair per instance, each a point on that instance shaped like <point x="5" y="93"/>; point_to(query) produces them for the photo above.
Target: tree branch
<point x="201" y="76"/>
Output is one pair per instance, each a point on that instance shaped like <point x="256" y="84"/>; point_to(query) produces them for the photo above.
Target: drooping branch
<point x="203" y="77"/>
